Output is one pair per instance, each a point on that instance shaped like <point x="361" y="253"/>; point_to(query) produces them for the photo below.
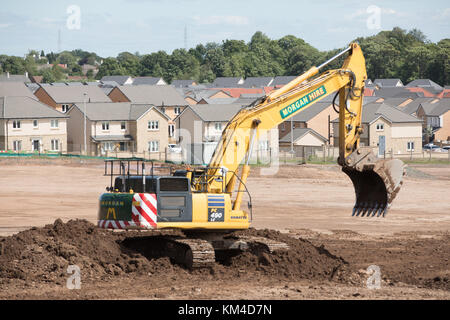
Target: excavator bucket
<point x="376" y="186"/>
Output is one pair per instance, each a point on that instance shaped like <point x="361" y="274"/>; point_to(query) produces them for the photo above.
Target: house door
<point x="381" y="145"/>
<point x="35" y="144"/>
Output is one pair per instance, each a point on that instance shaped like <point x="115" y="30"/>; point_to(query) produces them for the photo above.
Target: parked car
<point x="432" y="147"/>
<point x="446" y="148"/>
<point x="174" y="148"/>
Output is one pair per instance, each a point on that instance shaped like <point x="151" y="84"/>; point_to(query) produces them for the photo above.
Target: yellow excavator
<point x="205" y="203"/>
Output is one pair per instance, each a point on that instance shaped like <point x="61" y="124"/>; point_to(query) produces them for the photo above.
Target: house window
<point x="64" y="108"/>
<point x="54" y="123"/>
<point x="17" y="145"/>
<point x="153" y="146"/>
<point x="264" y="145"/>
<point x="54" y="145"/>
<point x="35" y="124"/>
<point x="123" y="126"/>
<point x="171" y="130"/>
<point x="123" y="146"/>
<point x="105" y="126"/>
<point x="107" y="146"/>
<point x="153" y="125"/>
<point x="16" y="124"/>
<point x="163" y="110"/>
<point x="177" y="110"/>
<point x="410" y="146"/>
<point x="218" y="126"/>
<point x="380" y="127"/>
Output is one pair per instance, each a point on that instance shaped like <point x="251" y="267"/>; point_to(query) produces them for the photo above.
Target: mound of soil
<point x="43" y="254"/>
<point x="303" y="260"/>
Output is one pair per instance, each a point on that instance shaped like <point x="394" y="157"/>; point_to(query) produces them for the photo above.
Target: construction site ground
<point x="48" y="215"/>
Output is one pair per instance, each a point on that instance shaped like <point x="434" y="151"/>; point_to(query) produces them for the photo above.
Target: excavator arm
<point x="376" y="181"/>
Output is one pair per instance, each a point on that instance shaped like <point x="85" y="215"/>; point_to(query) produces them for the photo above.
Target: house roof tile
<point x="160" y="95"/>
<point x="74" y="94"/>
<point x="26" y="108"/>
<point x="300" y="132"/>
<point x="16" y="89"/>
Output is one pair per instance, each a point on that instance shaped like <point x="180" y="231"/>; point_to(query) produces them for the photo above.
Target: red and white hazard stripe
<point x="115" y="224"/>
<point x="144" y="210"/>
<point x="144" y="214"/>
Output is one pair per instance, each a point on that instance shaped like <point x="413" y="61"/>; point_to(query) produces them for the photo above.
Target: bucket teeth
<point x="376" y="187"/>
<point x="354" y="210"/>
<point x="375" y="209"/>
<point x="380" y="211"/>
<point x="366" y="207"/>
<point x="359" y="210"/>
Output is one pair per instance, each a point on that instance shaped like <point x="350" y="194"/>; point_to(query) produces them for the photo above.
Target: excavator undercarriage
<point x="202" y="250"/>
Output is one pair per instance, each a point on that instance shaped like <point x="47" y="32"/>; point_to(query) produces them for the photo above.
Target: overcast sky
<point x="113" y="26"/>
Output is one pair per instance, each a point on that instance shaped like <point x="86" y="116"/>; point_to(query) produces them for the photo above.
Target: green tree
<point x="129" y="62"/>
<point x="48" y="76"/>
<point x="14" y="65"/>
<point x="67" y="58"/>
<point x="155" y="64"/>
<point x="110" y="67"/>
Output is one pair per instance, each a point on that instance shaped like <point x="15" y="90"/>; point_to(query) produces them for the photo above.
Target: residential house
<point x="50" y="65"/>
<point x="194" y="96"/>
<point x="107" y="86"/>
<point x="444" y="93"/>
<point x="30" y="126"/>
<point x="280" y="81"/>
<point x="412" y="106"/>
<point x="121" y="127"/>
<point x="387" y="129"/>
<point x="86" y="67"/>
<point x="397" y="102"/>
<point x="151" y="81"/>
<point x="396" y="92"/>
<point x="228" y="82"/>
<point x="7" y="77"/>
<point x="15" y="89"/>
<point x="33" y="87"/>
<point x="199" y="128"/>
<point x="165" y="97"/>
<point x="432" y="87"/>
<point x="303" y="137"/>
<point x="62" y="97"/>
<point x="217" y="101"/>
<point x="120" y="80"/>
<point x="436" y="118"/>
<point x="257" y="82"/>
<point x="388" y="83"/>
<point x="237" y="92"/>
<point x="183" y="83"/>
<point x="36" y="79"/>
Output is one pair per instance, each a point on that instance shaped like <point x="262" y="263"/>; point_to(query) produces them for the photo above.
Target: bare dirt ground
<point x="311" y="203"/>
